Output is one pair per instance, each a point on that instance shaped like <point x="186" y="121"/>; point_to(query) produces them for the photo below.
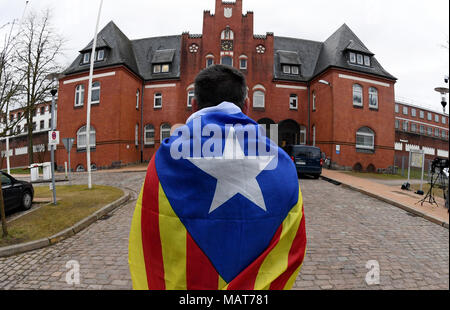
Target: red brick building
<point x="333" y="94"/>
<point x="420" y="128"/>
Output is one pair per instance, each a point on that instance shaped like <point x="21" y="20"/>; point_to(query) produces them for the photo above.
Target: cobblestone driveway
<point x="345" y="229"/>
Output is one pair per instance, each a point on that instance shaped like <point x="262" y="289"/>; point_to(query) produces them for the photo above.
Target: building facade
<point x="332" y="94"/>
<point x="18" y="139"/>
<point x="417" y="128"/>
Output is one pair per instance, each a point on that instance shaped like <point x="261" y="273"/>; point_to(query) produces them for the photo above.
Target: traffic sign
<point x="53" y="137"/>
<point x="68" y="142"/>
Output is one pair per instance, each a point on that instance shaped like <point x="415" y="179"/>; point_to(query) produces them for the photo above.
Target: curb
<point x="391" y="202"/>
<point x="69" y="232"/>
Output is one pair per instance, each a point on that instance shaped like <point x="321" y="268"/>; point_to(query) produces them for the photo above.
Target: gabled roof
<point x="333" y="54"/>
<point x="119" y="51"/>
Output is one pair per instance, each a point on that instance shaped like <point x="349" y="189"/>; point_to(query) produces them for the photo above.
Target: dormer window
<point x="100" y="55"/>
<point x="358" y="54"/>
<point x="290" y="62"/>
<point x="162" y="61"/>
<point x="161" y="68"/>
<point x="86" y="58"/>
<point x="288" y="69"/>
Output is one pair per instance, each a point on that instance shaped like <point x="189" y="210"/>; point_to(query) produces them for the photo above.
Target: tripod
<point x="439" y="178"/>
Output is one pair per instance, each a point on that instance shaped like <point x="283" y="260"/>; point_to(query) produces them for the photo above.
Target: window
<point x="359" y="59"/>
<point x="302" y="135"/>
<point x="397" y="124"/>
<point x="165" y="132"/>
<point x="430" y="131"/>
<point x="79" y="97"/>
<point x="421" y="114"/>
<point x="365" y="139"/>
<point x="357" y="95"/>
<point x="430" y="116"/>
<point x="149" y="135"/>
<point x="397" y="108"/>
<point x="161" y="68"/>
<point x="444" y="120"/>
<point x="373" y="98"/>
<point x="136" y="135"/>
<point x="436" y="118"/>
<point x="5" y="180"/>
<point x="367" y="61"/>
<point x="226" y="60"/>
<point x="86" y="58"/>
<point x="293" y="102"/>
<point x="42" y="111"/>
<point x="314" y="135"/>
<point x="227" y="34"/>
<point x="444" y="134"/>
<point x="18" y="129"/>
<point x="50" y="123"/>
<point x="405" y="125"/>
<point x="100" y="55"/>
<point x="80" y="168"/>
<point x="436" y="132"/>
<point x="95" y="95"/>
<point x="209" y="61"/>
<point x="413" y="112"/>
<point x="157" y="102"/>
<point x="352" y="57"/>
<point x="314" y="101"/>
<point x="294" y="70"/>
<point x="413" y="127"/>
<point x="405" y="110"/>
<point x="42" y="125"/>
<point x="422" y="129"/>
<point x="190" y="96"/>
<point x="243" y="63"/>
<point x="81" y="138"/>
<point x="138" y="97"/>
<point x="258" y="99"/>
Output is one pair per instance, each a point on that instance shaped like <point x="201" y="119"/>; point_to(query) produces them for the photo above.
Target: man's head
<point x="219" y="83"/>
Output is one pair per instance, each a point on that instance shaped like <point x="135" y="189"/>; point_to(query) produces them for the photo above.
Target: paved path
<point x="345" y="229"/>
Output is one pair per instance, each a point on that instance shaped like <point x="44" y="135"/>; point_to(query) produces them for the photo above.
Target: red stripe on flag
<point x="246" y="279"/>
<point x="200" y="273"/>
<point x="295" y="258"/>
<point x="151" y="240"/>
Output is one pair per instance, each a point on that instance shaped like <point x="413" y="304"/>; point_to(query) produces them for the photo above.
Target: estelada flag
<point x="227" y="217"/>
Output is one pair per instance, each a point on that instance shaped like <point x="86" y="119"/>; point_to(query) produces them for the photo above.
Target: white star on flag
<point x="235" y="173"/>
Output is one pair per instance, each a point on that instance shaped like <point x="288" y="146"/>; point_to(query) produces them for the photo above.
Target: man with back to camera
<point x="221" y="206"/>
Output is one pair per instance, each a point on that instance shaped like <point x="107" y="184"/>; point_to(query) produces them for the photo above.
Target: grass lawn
<point x="21" y="171"/>
<point x="437" y="191"/>
<point x="76" y="202"/>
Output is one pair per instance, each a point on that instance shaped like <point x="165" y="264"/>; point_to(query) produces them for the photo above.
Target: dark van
<point x="307" y="159"/>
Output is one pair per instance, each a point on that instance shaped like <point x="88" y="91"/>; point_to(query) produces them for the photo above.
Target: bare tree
<point x="39" y="47"/>
<point x="11" y="90"/>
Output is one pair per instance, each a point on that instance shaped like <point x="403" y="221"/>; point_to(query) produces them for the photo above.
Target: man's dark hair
<point x="219" y="83"/>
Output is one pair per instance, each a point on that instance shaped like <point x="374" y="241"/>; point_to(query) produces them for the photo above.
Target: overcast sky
<point x="405" y="35"/>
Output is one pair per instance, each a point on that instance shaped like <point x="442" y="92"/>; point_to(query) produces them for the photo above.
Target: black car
<point x="16" y="193"/>
<point x="307" y="159"/>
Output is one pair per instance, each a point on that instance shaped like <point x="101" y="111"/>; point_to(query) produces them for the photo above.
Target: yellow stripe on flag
<point x="276" y="261"/>
<point x="135" y="249"/>
<point x="173" y="243"/>
<point x="222" y="284"/>
<point x="293" y="277"/>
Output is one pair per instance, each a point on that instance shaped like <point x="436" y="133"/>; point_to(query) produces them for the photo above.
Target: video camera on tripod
<point x="439" y="167"/>
<point x="439" y="164"/>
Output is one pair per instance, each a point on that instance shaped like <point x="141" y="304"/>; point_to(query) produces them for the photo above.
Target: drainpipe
<point x="142" y="122"/>
<point x="308" y="138"/>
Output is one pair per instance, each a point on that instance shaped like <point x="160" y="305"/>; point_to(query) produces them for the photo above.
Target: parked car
<point x="16" y="193"/>
<point x="307" y="159"/>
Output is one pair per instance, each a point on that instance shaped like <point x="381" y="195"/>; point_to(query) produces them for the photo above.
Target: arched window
<point x="95" y="95"/>
<point x="302" y="135"/>
<point x="149" y="135"/>
<point x="190" y="96"/>
<point x="227" y="34"/>
<point x="79" y="96"/>
<point x="259" y="99"/>
<point x="81" y="138"/>
<point x="209" y="60"/>
<point x="137" y="99"/>
<point x="165" y="131"/>
<point x="365" y="139"/>
<point x="357" y="95"/>
<point x="314" y="135"/>
<point x="80" y="168"/>
<point x="373" y="98"/>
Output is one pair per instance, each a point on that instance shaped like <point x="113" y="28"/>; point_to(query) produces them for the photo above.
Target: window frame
<point x="138" y="98"/>
<point x="190" y="96"/>
<point x="245" y="60"/>
<point x="352" y="57"/>
<point x="157" y="96"/>
<point x="314" y="101"/>
<point x="291" y="98"/>
<point x="79" y="95"/>
<point x="98" y="53"/>
<point x="149" y="128"/>
<point x="86" y="58"/>
<point x="365" y="134"/>
<point x="92" y="142"/>
<point x="226" y="57"/>
<point x="259" y="94"/>
<point x="95" y="88"/>
<point x="355" y="87"/>
<point x="373" y="93"/>
<point x="164" y="130"/>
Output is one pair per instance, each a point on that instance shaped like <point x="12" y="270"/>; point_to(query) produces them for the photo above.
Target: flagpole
<point x="88" y="117"/>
